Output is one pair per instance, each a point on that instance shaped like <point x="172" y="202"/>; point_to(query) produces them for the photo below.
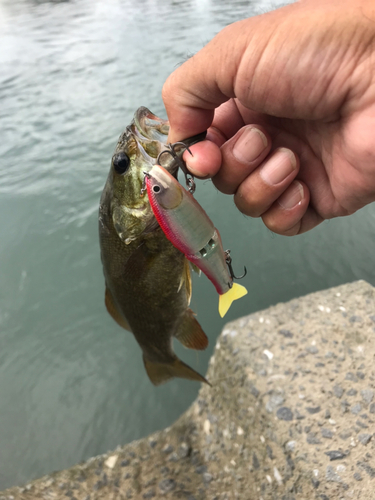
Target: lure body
<point x="189" y="229"/>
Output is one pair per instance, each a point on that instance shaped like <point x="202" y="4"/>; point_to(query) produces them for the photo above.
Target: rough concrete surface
<point x="290" y="415"/>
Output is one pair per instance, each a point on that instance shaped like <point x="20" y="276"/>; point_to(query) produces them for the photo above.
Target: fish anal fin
<point x="195" y="268"/>
<point x="159" y="373"/>
<point x="113" y="311"/>
<point x="190" y="332"/>
<point x="186" y="280"/>
<point x="225" y="301"/>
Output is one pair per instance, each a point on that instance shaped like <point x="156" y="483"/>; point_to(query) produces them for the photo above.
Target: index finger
<point x="188" y="114"/>
<point x="195" y="89"/>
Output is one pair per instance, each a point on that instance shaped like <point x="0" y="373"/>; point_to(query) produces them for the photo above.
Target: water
<point x="72" y="383"/>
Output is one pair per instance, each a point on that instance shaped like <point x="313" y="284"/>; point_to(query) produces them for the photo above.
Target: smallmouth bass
<point x="148" y="283"/>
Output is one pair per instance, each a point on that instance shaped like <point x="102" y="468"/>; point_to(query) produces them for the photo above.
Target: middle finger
<point x="267" y="183"/>
<point x="241" y="155"/>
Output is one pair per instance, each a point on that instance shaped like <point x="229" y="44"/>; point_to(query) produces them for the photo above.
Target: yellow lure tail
<point x="225" y="301"/>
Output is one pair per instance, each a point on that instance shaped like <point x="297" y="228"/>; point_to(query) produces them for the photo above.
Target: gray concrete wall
<point x="290" y="416"/>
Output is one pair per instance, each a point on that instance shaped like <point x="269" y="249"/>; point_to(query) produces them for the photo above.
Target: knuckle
<point x="168" y="89"/>
<point x="222" y="186"/>
<point x="278" y="227"/>
<point x="247" y="206"/>
<point x="165" y="91"/>
<point x="251" y="201"/>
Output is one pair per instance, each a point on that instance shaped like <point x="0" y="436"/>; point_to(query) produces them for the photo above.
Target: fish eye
<point x="121" y="162"/>
<point x="156" y="189"/>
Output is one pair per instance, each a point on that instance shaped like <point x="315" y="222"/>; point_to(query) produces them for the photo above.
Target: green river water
<point x="72" y="383"/>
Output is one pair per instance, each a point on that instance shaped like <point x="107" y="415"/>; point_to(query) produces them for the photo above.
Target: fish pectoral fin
<point x="151" y="225"/>
<point x="225" y="301"/>
<point x="190" y="332"/>
<point x="113" y="311"/>
<point x="159" y="373"/>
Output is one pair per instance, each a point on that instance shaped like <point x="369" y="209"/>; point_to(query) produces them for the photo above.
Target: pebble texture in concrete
<point x="290" y="416"/>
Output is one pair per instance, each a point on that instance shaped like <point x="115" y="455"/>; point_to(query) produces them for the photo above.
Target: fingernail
<point x="293" y="196"/>
<point x="250" y="145"/>
<point x="277" y="168"/>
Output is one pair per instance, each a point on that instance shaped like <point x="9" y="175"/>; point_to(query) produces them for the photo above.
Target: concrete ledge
<point x="290" y="416"/>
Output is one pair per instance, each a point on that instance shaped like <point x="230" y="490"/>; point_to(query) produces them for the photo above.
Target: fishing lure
<point x="188" y="227"/>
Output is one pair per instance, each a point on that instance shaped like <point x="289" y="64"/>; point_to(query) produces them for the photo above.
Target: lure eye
<point x="156" y="189"/>
<point x="121" y="163"/>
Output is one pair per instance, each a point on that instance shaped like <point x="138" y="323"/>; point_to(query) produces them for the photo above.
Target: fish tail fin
<point x="159" y="373"/>
<point x="225" y="301"/>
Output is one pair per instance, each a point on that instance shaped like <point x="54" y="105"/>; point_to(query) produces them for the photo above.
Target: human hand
<point x="288" y="99"/>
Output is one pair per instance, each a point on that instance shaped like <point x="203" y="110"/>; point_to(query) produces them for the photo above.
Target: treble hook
<point x="228" y="260"/>
<point x="189" y="178"/>
<point x="144" y="188"/>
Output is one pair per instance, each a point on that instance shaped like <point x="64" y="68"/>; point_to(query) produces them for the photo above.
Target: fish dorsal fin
<point x="225" y="301"/>
<point x="190" y="332"/>
<point x="159" y="373"/>
<point x="113" y="311"/>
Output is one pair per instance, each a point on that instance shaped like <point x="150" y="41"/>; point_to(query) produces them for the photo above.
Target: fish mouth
<point x="151" y="135"/>
<point x="148" y="134"/>
<point x="151" y="126"/>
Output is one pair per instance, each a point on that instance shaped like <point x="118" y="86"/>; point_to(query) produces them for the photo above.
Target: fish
<point x="147" y="280"/>
<point x="188" y="228"/>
